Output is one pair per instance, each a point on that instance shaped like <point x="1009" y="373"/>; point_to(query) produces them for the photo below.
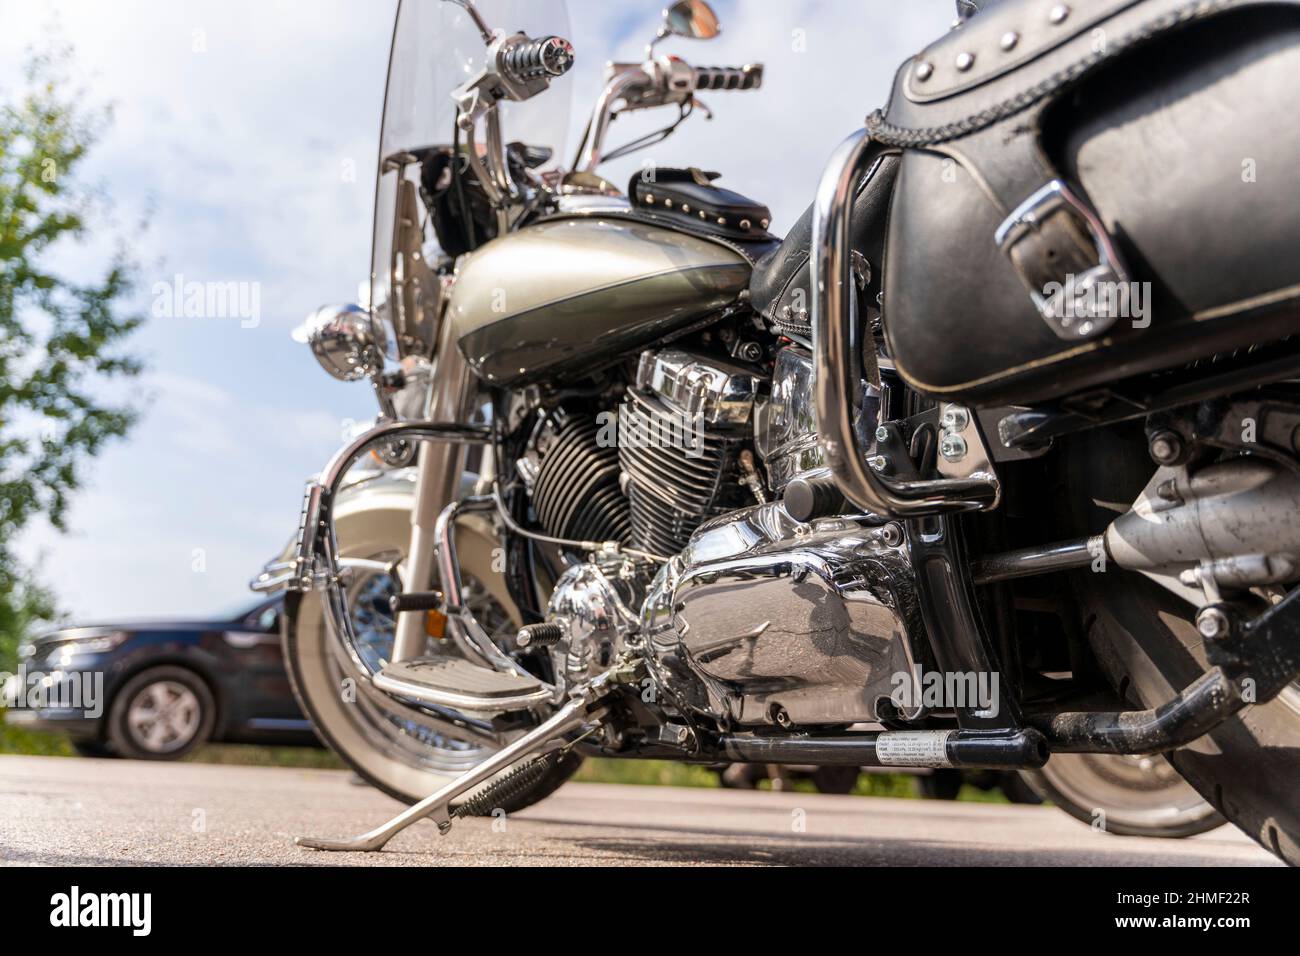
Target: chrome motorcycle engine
<point x="771" y="621"/>
<point x="755" y="618"/>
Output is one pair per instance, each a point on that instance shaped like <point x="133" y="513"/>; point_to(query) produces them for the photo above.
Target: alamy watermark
<point x="1081" y="298"/>
<point x="627" y="428"/>
<point x="53" y="690"/>
<point x="182" y="299"/>
<point x="946" y="690"/>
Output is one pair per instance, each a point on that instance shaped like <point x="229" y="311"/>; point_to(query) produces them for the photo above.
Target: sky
<point x="246" y="134"/>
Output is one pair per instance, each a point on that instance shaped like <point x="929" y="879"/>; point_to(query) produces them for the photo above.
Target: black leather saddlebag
<point x="1092" y="190"/>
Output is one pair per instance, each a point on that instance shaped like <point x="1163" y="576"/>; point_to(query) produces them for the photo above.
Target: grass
<point x="644" y="773"/>
<point x="16" y="740"/>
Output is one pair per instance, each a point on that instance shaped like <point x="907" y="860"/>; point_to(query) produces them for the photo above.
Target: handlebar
<point x="749" y="77"/>
<point x="535" y="59"/>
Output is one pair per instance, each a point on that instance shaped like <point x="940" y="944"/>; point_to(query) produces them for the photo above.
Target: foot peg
<point x="461" y="685"/>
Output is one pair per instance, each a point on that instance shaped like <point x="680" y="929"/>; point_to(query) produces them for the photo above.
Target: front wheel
<point x="394" y="747"/>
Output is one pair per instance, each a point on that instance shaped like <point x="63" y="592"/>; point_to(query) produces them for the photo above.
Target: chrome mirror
<point x="693" y="19"/>
<point x="342" y="338"/>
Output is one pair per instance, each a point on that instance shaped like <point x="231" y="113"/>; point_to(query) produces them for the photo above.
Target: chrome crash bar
<point x="837" y="346"/>
<point x="316" y="562"/>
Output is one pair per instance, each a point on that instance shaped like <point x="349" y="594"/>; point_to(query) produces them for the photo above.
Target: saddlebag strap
<point x="1063" y="254"/>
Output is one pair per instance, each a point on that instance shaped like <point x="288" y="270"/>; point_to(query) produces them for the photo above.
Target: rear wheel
<point x="1132" y="796"/>
<point x="1148" y="646"/>
<point x="394" y="747"/>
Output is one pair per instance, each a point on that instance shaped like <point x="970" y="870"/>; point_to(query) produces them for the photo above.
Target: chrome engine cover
<point x="594" y="603"/>
<point x="766" y="620"/>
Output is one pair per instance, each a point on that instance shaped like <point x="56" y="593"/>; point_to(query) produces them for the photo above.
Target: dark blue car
<point x="158" y="690"/>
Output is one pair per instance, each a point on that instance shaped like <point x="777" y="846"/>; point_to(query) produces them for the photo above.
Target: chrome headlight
<point x="342" y="337"/>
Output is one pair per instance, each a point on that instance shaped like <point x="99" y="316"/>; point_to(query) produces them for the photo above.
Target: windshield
<point x="437" y="48"/>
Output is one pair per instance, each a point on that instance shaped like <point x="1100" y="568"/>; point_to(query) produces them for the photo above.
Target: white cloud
<point x="238" y="148"/>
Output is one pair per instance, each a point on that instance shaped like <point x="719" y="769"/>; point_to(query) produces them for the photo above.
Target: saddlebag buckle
<point x="1074" y="276"/>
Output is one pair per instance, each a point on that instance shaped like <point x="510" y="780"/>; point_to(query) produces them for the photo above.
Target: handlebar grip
<point x="536" y="59"/>
<point x="729" y="77"/>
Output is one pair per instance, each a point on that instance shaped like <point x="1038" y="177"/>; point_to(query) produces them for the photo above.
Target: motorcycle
<point x="899" y="489"/>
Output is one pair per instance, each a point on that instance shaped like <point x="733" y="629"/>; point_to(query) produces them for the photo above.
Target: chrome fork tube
<point x="837" y="341"/>
<point x="439" y="467"/>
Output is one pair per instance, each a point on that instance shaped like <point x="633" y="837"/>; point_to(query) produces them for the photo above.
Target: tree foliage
<point x="61" y="340"/>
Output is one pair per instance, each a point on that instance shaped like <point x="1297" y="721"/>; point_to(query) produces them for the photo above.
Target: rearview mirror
<point x="693" y="19"/>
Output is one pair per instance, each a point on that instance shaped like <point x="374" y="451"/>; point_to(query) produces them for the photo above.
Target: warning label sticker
<point x="913" y="748"/>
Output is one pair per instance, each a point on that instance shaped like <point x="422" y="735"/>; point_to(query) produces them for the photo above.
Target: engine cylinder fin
<point x="677" y="473"/>
<point x="576" y="494"/>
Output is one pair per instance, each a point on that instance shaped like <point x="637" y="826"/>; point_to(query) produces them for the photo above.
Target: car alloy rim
<point x="164" y="716"/>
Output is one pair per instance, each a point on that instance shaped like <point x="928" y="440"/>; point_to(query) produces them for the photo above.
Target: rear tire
<point x="1144" y="640"/>
<point x="1140" y="796"/>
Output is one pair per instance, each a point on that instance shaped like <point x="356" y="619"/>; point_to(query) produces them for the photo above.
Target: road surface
<point x="57" y="810"/>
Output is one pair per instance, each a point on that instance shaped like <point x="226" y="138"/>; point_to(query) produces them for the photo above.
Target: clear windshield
<point x="437" y="48"/>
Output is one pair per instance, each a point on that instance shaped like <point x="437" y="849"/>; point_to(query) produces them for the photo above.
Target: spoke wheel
<point x="394" y="745"/>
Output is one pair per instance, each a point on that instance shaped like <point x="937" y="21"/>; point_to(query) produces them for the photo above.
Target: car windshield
<point x="437" y="48"/>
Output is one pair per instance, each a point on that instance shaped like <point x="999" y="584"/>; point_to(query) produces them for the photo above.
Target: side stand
<point x="568" y="718"/>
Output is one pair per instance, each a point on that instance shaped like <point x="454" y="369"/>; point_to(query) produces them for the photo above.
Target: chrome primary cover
<point x="780" y="622"/>
<point x="567" y="292"/>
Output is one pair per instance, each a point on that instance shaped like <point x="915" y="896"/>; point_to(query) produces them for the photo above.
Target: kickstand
<point x="568" y="718"/>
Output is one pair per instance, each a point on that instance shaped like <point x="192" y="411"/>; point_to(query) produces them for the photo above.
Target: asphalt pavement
<point x="56" y="810"/>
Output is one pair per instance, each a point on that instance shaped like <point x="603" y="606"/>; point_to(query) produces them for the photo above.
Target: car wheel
<point x="162" y="713"/>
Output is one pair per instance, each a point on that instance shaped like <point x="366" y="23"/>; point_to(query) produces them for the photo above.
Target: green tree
<point x="61" y="341"/>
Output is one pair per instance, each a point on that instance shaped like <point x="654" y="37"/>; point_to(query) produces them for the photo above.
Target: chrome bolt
<point x="1213" y="623"/>
<point x="892" y="534"/>
<point x="1009" y="40"/>
<point x="878" y="462"/>
<point x="1165" y="447"/>
<point x="882" y="433"/>
<point x="954" y="418"/>
<point x="952" y="447"/>
<point x="965" y="61"/>
<point x="1058" y="14"/>
<point x="924" y="71"/>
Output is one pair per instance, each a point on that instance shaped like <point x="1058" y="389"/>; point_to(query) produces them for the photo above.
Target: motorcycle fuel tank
<point x="567" y="293"/>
